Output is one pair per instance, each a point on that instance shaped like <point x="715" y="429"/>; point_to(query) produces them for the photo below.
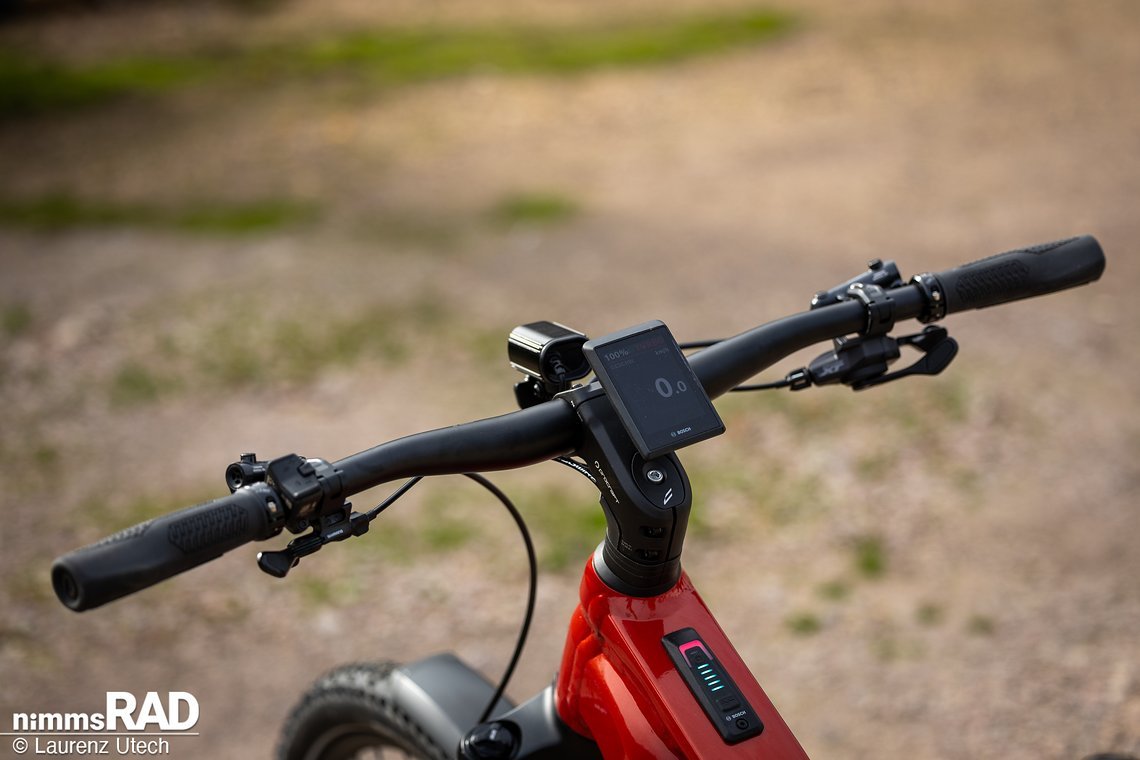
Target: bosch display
<point x="661" y="403"/>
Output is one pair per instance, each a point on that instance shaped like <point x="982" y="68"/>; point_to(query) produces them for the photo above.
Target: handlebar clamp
<point x="934" y="295"/>
<point x="880" y="308"/>
<point x="308" y="487"/>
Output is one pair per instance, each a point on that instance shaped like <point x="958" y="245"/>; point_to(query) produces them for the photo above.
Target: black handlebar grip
<point x="1025" y="273"/>
<point x="149" y="552"/>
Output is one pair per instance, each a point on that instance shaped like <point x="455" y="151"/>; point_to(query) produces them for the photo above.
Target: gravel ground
<point x="941" y="570"/>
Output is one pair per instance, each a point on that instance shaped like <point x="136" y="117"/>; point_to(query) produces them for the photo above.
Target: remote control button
<point x="697" y="656"/>
<point x="728" y="703"/>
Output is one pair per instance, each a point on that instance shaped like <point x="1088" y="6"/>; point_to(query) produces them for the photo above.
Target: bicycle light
<point x="551" y="357"/>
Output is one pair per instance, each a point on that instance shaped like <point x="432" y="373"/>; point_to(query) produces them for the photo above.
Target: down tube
<point x="618" y="685"/>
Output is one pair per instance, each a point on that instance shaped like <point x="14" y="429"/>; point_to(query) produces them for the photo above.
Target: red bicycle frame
<point x="618" y="685"/>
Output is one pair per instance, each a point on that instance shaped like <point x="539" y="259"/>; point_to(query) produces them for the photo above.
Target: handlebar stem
<point x="646" y="503"/>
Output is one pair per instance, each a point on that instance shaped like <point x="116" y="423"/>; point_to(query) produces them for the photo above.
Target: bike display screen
<point x="659" y="399"/>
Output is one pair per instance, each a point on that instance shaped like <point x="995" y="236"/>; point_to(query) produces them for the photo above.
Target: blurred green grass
<point x="533" y="208"/>
<point x="63" y="211"/>
<point x="243" y="347"/>
<point x="15" y="320"/>
<point x="803" y="623"/>
<point x="870" y="556"/>
<point x="391" y="57"/>
<point x="35" y="85"/>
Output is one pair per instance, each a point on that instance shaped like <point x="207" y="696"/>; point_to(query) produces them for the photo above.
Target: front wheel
<point x="355" y="712"/>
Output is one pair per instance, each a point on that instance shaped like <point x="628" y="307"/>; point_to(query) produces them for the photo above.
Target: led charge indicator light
<point x="716" y="692"/>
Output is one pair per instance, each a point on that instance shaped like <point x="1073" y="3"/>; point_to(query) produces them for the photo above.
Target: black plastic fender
<point x="444" y="696"/>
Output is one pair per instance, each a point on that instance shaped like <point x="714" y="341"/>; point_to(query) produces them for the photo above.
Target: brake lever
<point x="335" y="527"/>
<point x="938" y="350"/>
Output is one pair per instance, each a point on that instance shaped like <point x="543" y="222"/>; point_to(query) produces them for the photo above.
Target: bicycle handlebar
<point x="141" y="556"/>
<point x="509" y="441"/>
<point x="1009" y="276"/>
<point x="149" y="552"/>
<point x="1023" y="273"/>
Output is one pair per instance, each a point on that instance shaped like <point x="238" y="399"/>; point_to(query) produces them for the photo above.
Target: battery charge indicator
<point x="711" y="679"/>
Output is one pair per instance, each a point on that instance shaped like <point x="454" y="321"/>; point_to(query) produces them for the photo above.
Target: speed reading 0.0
<point x="659" y="400"/>
<point x="665" y="388"/>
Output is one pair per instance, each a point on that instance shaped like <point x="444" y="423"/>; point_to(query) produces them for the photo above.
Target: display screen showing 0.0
<point x="661" y="403"/>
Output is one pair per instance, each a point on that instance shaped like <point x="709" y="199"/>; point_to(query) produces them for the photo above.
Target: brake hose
<point x="532" y="562"/>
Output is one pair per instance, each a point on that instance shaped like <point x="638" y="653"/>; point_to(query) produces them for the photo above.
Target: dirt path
<point x="940" y="571"/>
